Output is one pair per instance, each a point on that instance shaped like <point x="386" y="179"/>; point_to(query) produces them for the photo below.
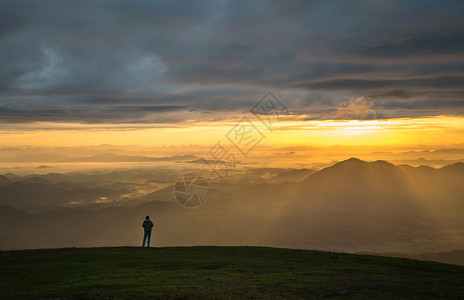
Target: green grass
<point x="220" y="272"/>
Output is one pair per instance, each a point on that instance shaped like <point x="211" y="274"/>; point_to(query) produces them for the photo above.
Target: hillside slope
<point x="220" y="272"/>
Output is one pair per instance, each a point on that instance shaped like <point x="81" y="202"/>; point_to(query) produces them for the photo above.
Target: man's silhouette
<point x="147" y="226"/>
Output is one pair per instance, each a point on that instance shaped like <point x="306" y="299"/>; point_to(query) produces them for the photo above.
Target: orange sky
<point x="441" y="130"/>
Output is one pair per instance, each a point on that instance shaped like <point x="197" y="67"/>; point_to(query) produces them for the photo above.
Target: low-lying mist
<point x="350" y="206"/>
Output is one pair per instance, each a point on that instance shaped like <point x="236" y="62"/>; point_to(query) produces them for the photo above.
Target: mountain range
<point x="350" y="206"/>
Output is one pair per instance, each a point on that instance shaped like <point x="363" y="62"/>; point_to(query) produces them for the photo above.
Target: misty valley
<point x="350" y="206"/>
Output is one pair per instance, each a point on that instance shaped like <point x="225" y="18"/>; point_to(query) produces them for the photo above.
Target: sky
<point x="185" y="72"/>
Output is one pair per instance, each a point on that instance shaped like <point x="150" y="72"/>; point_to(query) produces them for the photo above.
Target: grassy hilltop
<point x="220" y="272"/>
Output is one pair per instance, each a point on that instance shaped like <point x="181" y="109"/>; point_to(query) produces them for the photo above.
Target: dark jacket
<point x="147" y="225"/>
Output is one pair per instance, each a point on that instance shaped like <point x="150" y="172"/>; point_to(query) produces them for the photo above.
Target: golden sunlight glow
<point x="442" y="130"/>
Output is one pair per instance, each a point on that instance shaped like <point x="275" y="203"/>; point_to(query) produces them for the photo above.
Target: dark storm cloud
<point x="91" y="61"/>
<point x="132" y="114"/>
<point x="346" y="84"/>
<point x="422" y="44"/>
<point x="424" y="104"/>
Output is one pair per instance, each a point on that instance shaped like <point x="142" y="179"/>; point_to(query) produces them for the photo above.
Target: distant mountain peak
<point x="354" y="159"/>
<point x="4" y="180"/>
<point x="351" y="161"/>
<point x="37" y="179"/>
<point x="455" y="166"/>
<point x="382" y="162"/>
<point x="353" y="165"/>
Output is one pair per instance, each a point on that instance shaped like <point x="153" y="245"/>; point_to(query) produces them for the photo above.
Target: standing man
<point x="147" y="226"/>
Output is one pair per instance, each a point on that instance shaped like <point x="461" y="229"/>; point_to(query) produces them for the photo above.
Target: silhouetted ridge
<point x="455" y="166"/>
<point x="12" y="177"/>
<point x="354" y="166"/>
<point x="4" y="180"/>
<point x="351" y="161"/>
<point x="357" y="177"/>
<point x="37" y="179"/>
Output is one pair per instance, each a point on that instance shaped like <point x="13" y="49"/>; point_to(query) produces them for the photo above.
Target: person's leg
<point x="149" y="237"/>
<point x="144" y="239"/>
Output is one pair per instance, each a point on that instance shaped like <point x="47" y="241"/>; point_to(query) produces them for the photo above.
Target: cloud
<point x="114" y="114"/>
<point x="442" y="82"/>
<point x="360" y="108"/>
<point x="73" y="61"/>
